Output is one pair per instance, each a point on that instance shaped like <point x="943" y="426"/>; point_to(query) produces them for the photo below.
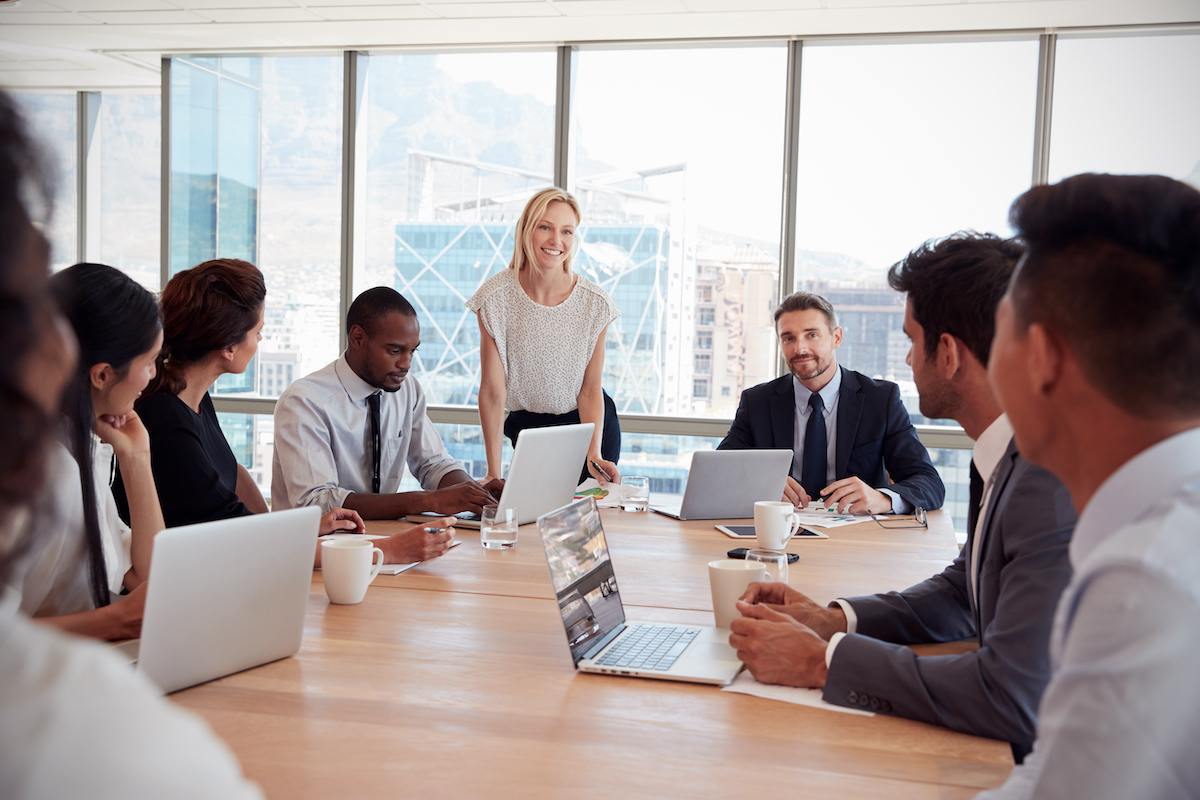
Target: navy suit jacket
<point x="875" y="437"/>
<point x="994" y="691"/>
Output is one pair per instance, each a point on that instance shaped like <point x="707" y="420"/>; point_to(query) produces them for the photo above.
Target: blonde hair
<point x="535" y="209"/>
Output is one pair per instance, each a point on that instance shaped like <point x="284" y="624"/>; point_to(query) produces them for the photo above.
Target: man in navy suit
<point x="848" y="433"/>
<point x="1004" y="584"/>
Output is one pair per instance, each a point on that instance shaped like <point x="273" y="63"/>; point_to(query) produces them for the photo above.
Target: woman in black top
<point x="212" y="323"/>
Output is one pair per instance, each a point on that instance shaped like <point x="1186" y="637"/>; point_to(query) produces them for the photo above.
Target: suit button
<point x="885" y="707"/>
<point x="852" y="698"/>
<point x="863" y="700"/>
<point x="875" y="703"/>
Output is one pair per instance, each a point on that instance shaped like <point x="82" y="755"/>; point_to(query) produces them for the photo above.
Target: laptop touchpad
<point x="713" y="651"/>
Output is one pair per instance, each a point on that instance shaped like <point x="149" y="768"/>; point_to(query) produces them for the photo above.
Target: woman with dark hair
<point x="82" y="560"/>
<point x="75" y="721"/>
<point x="212" y="323"/>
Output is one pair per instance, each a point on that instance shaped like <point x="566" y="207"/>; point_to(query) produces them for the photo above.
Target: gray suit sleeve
<point x="995" y="690"/>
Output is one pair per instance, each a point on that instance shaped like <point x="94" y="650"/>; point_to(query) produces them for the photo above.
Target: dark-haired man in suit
<point x="848" y="433"/>
<point x="1002" y="587"/>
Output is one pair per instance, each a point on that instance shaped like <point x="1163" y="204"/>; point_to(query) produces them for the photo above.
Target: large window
<point x="256" y="175"/>
<point x="52" y="118"/>
<point x="130" y="163"/>
<point x="456" y="145"/>
<point x="1125" y="105"/>
<point x="678" y="160"/>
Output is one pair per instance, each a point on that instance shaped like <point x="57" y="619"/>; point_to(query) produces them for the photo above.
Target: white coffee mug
<point x="729" y="579"/>
<point x="347" y="569"/>
<point x="775" y="523"/>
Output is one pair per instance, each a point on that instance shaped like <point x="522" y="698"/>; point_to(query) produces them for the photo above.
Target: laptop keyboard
<point x="650" y="647"/>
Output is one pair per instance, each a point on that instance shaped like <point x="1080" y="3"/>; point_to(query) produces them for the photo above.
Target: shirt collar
<point x="356" y="388"/>
<point x="991" y="446"/>
<point x="1139" y="484"/>
<point x="829" y="391"/>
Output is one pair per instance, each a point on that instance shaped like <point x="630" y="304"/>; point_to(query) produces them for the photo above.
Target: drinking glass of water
<point x="635" y="493"/>
<point x="775" y="561"/>
<point x="498" y="527"/>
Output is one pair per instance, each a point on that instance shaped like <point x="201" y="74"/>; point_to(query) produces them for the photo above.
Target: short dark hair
<point x="370" y="307"/>
<point x="1114" y="267"/>
<point x="807" y="301"/>
<point x="955" y="285"/>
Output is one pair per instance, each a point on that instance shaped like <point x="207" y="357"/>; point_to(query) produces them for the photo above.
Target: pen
<point x="600" y="469"/>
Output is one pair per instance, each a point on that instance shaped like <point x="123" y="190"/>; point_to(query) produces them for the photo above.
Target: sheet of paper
<point x="745" y="684"/>
<point x="819" y="519"/>
<point x="386" y="569"/>
<point x="606" y="496"/>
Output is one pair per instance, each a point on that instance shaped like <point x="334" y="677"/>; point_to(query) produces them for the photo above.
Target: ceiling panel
<point x="112" y="5"/>
<point x="258" y="14"/>
<point x="489" y="9"/>
<point x="171" y="17"/>
<point x="43" y="18"/>
<point x="593" y="8"/>
<point x="363" y="12"/>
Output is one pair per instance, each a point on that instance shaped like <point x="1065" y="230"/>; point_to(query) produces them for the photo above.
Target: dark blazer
<point x="994" y="691"/>
<point x="875" y="437"/>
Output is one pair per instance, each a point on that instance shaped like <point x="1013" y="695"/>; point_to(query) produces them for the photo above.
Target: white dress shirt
<point x="52" y="578"/>
<point x="1121" y="715"/>
<point x="829" y="396"/>
<point x="76" y="721"/>
<point x="989" y="449"/>
<point x="323" y="440"/>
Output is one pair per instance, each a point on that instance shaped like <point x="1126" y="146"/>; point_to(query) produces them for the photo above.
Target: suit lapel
<point x="782" y="407"/>
<point x="850" y="403"/>
<point x="1004" y="471"/>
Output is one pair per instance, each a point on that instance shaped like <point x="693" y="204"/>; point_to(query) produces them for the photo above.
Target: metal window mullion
<point x="354" y="92"/>
<point x="564" y="158"/>
<point x="164" y="178"/>
<point x="87" y="176"/>
<point x="1047" y="45"/>
<point x="791" y="145"/>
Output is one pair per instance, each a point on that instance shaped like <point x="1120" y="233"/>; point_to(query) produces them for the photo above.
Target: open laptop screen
<point x="582" y="573"/>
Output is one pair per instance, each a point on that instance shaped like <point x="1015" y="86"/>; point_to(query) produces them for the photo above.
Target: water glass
<point x="635" y="493"/>
<point x="775" y="561"/>
<point x="498" y="527"/>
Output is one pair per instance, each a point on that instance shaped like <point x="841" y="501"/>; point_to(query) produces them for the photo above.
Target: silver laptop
<point x="725" y="484"/>
<point x="225" y="596"/>
<point x="542" y="476"/>
<point x="598" y="635"/>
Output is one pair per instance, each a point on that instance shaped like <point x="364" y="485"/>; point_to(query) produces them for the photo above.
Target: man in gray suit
<point x="1005" y="582"/>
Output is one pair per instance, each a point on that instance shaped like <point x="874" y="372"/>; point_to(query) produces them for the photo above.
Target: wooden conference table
<point x="454" y="680"/>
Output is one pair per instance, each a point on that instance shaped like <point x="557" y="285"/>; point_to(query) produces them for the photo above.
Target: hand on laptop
<point x="126" y="614"/>
<point x="494" y="487"/>
<point x="854" y="496"/>
<point x="465" y="496"/>
<point x="778" y="649"/>
<point x="341" y="519"/>
<point x="418" y="544"/>
<point x="825" y="622"/>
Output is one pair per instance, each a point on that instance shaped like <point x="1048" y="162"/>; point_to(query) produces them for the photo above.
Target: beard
<point x="810" y="368"/>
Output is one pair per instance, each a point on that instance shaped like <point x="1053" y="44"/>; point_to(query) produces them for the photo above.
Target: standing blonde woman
<point x="541" y="339"/>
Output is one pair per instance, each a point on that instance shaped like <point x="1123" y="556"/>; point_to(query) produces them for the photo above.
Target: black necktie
<point x="976" y="499"/>
<point x="813" y="467"/>
<point x="373" y="403"/>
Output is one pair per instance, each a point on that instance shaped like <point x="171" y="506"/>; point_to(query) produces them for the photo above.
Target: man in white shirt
<point x="1003" y="585"/>
<point x="1097" y="363"/>
<point x="344" y="434"/>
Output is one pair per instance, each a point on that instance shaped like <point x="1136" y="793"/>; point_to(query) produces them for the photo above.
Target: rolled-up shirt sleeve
<point x="305" y="469"/>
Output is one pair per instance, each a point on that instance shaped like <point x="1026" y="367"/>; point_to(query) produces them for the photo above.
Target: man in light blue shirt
<point x="1097" y="363"/>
